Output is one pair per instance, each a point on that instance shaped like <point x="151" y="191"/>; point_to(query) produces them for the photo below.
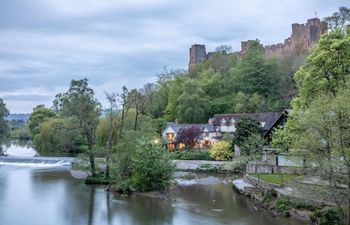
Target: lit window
<point x="170" y="136"/>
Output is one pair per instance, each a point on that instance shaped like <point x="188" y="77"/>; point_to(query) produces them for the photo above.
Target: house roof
<point x="267" y="119"/>
<point x="176" y="127"/>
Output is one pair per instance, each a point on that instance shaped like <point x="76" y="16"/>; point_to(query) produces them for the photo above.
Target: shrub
<point x="152" y="168"/>
<point x="283" y="204"/>
<point x="221" y="151"/>
<point x="190" y="154"/>
<point x="326" y="216"/>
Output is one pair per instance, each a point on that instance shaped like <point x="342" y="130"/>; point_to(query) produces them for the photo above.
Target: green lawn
<point x="275" y="178"/>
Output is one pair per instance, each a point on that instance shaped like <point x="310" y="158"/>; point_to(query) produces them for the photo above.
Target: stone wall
<point x="266" y="168"/>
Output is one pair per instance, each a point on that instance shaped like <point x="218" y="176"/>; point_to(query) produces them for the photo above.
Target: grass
<point x="275" y="178"/>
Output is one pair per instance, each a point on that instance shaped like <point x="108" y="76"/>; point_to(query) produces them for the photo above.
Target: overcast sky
<point x="46" y="43"/>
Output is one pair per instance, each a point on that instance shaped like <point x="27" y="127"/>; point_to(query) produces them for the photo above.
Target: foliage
<point x="221" y="151"/>
<point x="326" y="216"/>
<point x="338" y="20"/>
<point x="188" y="136"/>
<point x="245" y="127"/>
<point x="152" y="168"/>
<point x="4" y="131"/>
<point x="190" y="155"/>
<point x="320" y="122"/>
<point x="22" y="133"/>
<point x="58" y="136"/>
<point x="3" y="125"/>
<point x="325" y="70"/>
<point x="80" y="103"/>
<point x="283" y="204"/>
<point x="253" y="145"/>
<point x="281" y="139"/>
<point x="192" y="106"/>
<point x="39" y="115"/>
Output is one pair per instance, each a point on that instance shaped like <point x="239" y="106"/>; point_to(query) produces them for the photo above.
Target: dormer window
<point x="210" y="121"/>
<point x="223" y="122"/>
<point x="262" y="124"/>
<point x="232" y="121"/>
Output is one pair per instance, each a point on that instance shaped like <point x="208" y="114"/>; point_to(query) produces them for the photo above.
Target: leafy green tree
<point x="152" y="167"/>
<point x="325" y="126"/>
<point x="192" y="106"/>
<point x="3" y="125"/>
<point x="4" y="131"/>
<point x="58" y="136"/>
<point x="325" y="70"/>
<point x="255" y="73"/>
<point x="245" y="127"/>
<point x="39" y="115"/>
<point x="244" y="103"/>
<point x="253" y="145"/>
<point x="80" y="102"/>
<point x="175" y="90"/>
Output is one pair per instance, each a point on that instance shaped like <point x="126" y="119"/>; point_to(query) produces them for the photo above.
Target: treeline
<point x="225" y="83"/>
<point x="123" y="137"/>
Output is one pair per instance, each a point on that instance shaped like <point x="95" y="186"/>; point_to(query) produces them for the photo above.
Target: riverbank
<point x="236" y="166"/>
<point x="300" y="197"/>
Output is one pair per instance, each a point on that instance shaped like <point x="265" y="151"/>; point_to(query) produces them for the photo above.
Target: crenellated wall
<point x="303" y="38"/>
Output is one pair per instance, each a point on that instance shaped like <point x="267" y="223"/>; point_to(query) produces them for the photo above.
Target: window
<point x="170" y="136"/>
<point x="171" y="147"/>
<point x="182" y="146"/>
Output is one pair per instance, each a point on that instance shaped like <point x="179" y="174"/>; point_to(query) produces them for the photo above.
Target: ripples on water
<point x="50" y="195"/>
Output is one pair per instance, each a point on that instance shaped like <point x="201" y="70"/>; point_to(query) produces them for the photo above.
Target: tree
<point x="338" y="20"/>
<point x="39" y="115"/>
<point x="224" y="49"/>
<point x="189" y="136"/>
<point x="135" y="102"/>
<point x="58" y="136"/>
<point x="245" y="127"/>
<point x="112" y="101"/>
<point x="325" y="70"/>
<point x="192" y="106"/>
<point x="152" y="167"/>
<point x="125" y="105"/>
<point x="255" y="73"/>
<point x="80" y="102"/>
<point x="325" y="134"/>
<point x="3" y="124"/>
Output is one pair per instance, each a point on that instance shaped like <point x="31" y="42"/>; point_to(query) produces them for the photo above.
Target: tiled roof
<point x="177" y="126"/>
<point x="268" y="119"/>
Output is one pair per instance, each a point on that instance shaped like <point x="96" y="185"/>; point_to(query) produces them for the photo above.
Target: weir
<point x="36" y="161"/>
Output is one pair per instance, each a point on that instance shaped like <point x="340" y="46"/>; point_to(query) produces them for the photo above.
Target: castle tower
<point x="197" y="55"/>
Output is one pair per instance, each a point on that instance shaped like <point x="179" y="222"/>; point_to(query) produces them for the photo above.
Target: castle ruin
<point x="303" y="38"/>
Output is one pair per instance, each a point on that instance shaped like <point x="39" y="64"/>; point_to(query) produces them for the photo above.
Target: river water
<point x="47" y="194"/>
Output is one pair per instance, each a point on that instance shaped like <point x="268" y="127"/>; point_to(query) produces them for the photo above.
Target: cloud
<point x="46" y="43"/>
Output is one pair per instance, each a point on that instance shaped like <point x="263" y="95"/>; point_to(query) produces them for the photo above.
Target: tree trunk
<point x="136" y="117"/>
<point x="92" y="162"/>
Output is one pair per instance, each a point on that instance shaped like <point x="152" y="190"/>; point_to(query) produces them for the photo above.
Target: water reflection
<point x="52" y="196"/>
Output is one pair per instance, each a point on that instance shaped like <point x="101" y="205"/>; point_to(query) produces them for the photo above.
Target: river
<point x="47" y="194"/>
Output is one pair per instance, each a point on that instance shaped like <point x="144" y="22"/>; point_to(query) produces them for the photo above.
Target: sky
<point x="44" y="44"/>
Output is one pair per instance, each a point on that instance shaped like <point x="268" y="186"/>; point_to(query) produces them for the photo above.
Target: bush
<point x="326" y="216"/>
<point x="283" y="204"/>
<point x="190" y="155"/>
<point x="221" y="151"/>
<point x="152" y="168"/>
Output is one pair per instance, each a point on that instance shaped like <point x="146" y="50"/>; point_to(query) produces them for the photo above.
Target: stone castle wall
<point x="303" y="38"/>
